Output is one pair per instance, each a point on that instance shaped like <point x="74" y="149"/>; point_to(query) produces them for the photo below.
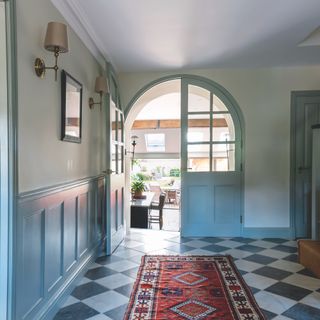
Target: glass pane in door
<point x="198" y="157"/>
<point x="199" y="127"/>
<point x="113" y="115"/>
<point x="217" y="104"/>
<point x="223" y="157"/>
<point x="222" y="128"/>
<point x="120" y="159"/>
<point x="114" y="158"/>
<point x="198" y="99"/>
<point x="120" y="128"/>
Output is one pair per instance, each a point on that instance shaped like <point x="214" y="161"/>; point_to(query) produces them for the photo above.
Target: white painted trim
<point x="160" y="155"/>
<point x="4" y="182"/>
<point x="77" y="20"/>
<point x="259" y="233"/>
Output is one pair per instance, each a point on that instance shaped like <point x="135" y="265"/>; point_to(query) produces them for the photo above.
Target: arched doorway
<point x="211" y="144"/>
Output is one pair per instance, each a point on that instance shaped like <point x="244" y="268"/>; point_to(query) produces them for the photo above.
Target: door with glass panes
<point x="115" y="178"/>
<point x="210" y="161"/>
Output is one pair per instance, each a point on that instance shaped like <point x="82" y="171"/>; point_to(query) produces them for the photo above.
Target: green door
<point x="115" y="173"/>
<point x="305" y="114"/>
<point x="210" y="161"/>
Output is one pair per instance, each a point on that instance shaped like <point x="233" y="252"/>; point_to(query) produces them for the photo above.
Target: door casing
<point x="9" y="168"/>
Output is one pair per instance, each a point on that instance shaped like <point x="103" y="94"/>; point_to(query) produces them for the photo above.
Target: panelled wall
<point x="59" y="230"/>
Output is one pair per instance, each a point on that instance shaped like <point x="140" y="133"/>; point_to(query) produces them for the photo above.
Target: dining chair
<point x="172" y="196"/>
<point x="156" y="189"/>
<point x="157" y="206"/>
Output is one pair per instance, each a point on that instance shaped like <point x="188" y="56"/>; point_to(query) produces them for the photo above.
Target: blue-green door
<point x="210" y="161"/>
<point x="115" y="172"/>
<point x="305" y="114"/>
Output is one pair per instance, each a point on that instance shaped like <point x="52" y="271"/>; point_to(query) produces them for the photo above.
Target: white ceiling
<point x="145" y="35"/>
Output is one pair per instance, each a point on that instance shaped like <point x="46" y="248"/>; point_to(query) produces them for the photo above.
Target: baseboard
<point x="59" y="298"/>
<point x="258" y="233"/>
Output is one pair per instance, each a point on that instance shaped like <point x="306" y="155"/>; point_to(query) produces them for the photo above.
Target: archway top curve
<point x="170" y="84"/>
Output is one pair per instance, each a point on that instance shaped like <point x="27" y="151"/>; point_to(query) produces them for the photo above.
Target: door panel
<point x="113" y="212"/>
<point x="198" y="195"/>
<point x="224" y="206"/>
<point x="211" y="162"/>
<point x="306" y="113"/>
<point x="120" y="216"/>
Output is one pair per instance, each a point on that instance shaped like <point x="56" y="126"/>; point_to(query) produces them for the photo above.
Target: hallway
<point x="282" y="287"/>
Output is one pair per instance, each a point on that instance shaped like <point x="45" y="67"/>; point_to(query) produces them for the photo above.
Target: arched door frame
<point x="222" y="93"/>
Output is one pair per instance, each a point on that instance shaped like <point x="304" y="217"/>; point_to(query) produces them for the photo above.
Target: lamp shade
<point x="56" y="37"/>
<point x="101" y="85"/>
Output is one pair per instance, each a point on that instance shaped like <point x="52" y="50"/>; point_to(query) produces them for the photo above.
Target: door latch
<point x="109" y="171"/>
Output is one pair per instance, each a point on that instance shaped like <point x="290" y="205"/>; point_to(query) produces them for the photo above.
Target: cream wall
<point x="44" y="159"/>
<point x="264" y="98"/>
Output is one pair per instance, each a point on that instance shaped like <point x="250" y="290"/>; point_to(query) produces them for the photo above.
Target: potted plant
<point x="137" y="187"/>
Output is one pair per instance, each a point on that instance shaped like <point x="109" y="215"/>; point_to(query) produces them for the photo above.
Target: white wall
<point x="44" y="159"/>
<point x="264" y="98"/>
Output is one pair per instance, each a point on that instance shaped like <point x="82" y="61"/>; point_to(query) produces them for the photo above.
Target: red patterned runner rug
<point x="192" y="288"/>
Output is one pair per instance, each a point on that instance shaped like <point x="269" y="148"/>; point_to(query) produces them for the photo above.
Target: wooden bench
<point x="309" y="255"/>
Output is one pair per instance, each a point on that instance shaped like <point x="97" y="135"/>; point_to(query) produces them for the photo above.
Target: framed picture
<point x="71" y="108"/>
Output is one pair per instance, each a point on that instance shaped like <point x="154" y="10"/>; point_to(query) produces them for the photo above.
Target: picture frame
<point x="71" y="108"/>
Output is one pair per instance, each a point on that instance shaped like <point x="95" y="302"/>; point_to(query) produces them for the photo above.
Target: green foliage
<point x="175" y="172"/>
<point x="142" y="176"/>
<point x="136" y="162"/>
<point x="137" y="185"/>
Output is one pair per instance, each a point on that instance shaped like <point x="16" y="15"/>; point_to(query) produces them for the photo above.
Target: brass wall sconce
<point x="56" y="41"/>
<point x="101" y="87"/>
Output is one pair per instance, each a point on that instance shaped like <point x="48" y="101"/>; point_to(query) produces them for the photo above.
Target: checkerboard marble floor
<point x="283" y="288"/>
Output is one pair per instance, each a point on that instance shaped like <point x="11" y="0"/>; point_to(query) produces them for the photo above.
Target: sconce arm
<point x="92" y="103"/>
<point x="40" y="67"/>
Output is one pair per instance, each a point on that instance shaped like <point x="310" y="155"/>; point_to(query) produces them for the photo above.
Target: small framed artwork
<point x="71" y="108"/>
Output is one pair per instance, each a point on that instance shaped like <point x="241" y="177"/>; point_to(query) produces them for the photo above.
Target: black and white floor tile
<point x="283" y="288"/>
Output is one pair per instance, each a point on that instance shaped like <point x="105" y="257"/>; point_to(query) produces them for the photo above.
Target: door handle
<point x="108" y="171"/>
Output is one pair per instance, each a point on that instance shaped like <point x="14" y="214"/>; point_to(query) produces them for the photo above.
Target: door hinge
<point x="241" y="219"/>
<point x="241" y="167"/>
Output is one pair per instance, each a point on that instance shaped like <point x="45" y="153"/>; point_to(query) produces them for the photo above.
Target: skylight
<point x="155" y="142"/>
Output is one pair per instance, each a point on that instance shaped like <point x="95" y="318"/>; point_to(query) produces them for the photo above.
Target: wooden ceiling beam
<point x="174" y="124"/>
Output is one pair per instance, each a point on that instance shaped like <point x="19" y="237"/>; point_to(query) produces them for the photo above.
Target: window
<point x="155" y="142"/>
